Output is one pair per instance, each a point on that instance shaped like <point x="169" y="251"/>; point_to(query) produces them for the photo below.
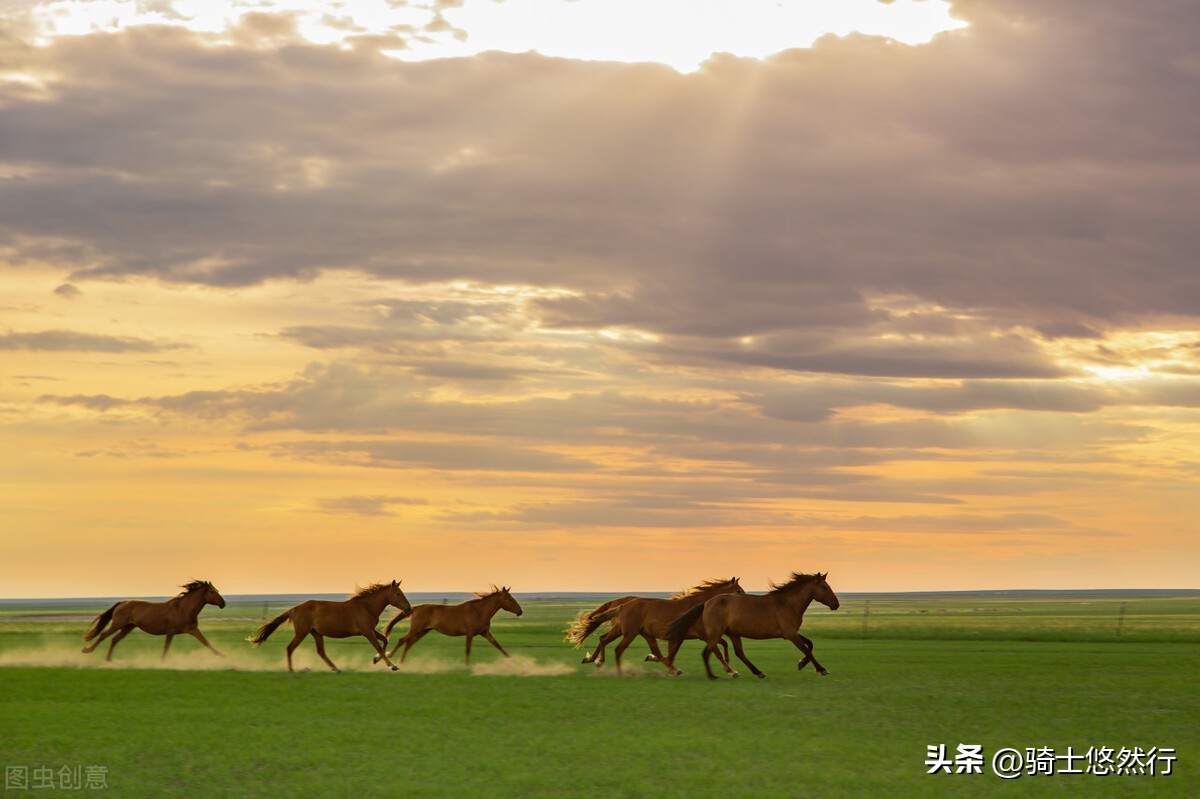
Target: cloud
<point x="367" y="505"/>
<point x="745" y="199"/>
<point x="71" y="341"/>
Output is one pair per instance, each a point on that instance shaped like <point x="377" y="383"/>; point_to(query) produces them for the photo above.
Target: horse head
<point x="212" y="596"/>
<point x="824" y="594"/>
<point x="396" y="597"/>
<point x="507" y="602"/>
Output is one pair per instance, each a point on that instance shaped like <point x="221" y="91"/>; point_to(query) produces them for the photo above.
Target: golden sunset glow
<point x="295" y="296"/>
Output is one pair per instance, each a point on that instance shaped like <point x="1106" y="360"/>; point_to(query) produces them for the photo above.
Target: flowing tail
<point x="265" y="631"/>
<point x="585" y="626"/>
<point x="401" y="616"/>
<point x="579" y="630"/>
<point x="679" y="629"/>
<point x="100" y="623"/>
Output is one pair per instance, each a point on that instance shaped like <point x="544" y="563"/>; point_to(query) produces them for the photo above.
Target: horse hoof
<point x="761" y="676"/>
<point x="395" y="667"/>
<point x="824" y="672"/>
<point x="735" y="674"/>
<point x="375" y="659"/>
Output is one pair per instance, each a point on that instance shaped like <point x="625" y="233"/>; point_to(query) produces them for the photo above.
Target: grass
<point x="544" y="726"/>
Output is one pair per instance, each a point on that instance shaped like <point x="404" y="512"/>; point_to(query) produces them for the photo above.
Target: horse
<point x="776" y="614"/>
<point x="168" y="618"/>
<point x="470" y="618"/>
<point x="649" y="618"/>
<point x="357" y="615"/>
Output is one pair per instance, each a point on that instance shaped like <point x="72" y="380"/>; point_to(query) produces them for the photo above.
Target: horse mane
<point x="704" y="586"/>
<point x="194" y="585"/>
<point x="491" y="592"/>
<point x="797" y="580"/>
<point x="369" y="590"/>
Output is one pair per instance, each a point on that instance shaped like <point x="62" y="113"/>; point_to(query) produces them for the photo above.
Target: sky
<point x="604" y="296"/>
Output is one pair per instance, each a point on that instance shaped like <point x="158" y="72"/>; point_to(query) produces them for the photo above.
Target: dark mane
<point x="370" y="589"/>
<point x="195" y="585"/>
<point x="704" y="586"/>
<point x="491" y="592"/>
<point x="797" y="580"/>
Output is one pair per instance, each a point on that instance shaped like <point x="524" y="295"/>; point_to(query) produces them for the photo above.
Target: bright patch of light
<point x="681" y="33"/>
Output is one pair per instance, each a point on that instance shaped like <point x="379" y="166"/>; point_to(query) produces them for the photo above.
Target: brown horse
<point x="168" y="618"/>
<point x="357" y="615"/>
<point x="776" y="614"/>
<point x="649" y="618"/>
<point x="470" y="618"/>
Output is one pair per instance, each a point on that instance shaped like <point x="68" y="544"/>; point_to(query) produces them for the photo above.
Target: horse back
<point x="155" y="618"/>
<point x="746" y="616"/>
<point x="336" y="619"/>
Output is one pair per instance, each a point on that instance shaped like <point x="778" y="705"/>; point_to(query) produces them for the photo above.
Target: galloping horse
<point x="470" y="618"/>
<point x="357" y="615"/>
<point x="776" y="614"/>
<point x="649" y="618"/>
<point x="168" y="618"/>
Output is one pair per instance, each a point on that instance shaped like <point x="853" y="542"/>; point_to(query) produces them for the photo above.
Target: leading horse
<point x="776" y="614"/>
<point x="170" y="618"/>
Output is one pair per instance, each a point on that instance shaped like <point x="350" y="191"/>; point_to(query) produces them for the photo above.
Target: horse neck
<point x="700" y="597"/>
<point x="190" y="603"/>
<point x="375" y="602"/>
<point x="489" y="605"/>
<point x="798" y="599"/>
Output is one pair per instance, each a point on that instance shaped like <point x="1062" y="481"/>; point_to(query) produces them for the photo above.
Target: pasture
<point x="907" y="672"/>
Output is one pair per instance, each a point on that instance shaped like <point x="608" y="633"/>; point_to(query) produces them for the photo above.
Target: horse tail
<point x="401" y="616"/>
<point x="679" y="629"/>
<point x="265" y="631"/>
<point x="100" y="623"/>
<point x="587" y="625"/>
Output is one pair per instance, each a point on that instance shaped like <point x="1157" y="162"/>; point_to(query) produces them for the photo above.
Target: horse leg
<point x="672" y="649"/>
<point x="656" y="655"/>
<point x="597" y="657"/>
<point x="468" y="655"/>
<point x="320" y="642"/>
<point x="126" y="630"/>
<point x="296" y="639"/>
<point x="166" y="646"/>
<point x="807" y="649"/>
<point x="112" y="629"/>
<point x="199" y="636"/>
<point x="492" y="640"/>
<point x="708" y="650"/>
<point x="722" y="654"/>
<point x="741" y="653"/>
<point x="378" y="641"/>
<point x="412" y="634"/>
<point x="408" y="641"/>
<point x="626" y="640"/>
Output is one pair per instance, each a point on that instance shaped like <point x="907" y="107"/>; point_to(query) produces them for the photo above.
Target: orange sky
<point x="284" y="312"/>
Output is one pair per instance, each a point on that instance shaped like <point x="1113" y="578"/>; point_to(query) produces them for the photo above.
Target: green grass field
<point x="906" y="673"/>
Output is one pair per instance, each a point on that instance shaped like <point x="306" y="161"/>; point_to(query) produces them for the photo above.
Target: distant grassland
<point x="907" y="672"/>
